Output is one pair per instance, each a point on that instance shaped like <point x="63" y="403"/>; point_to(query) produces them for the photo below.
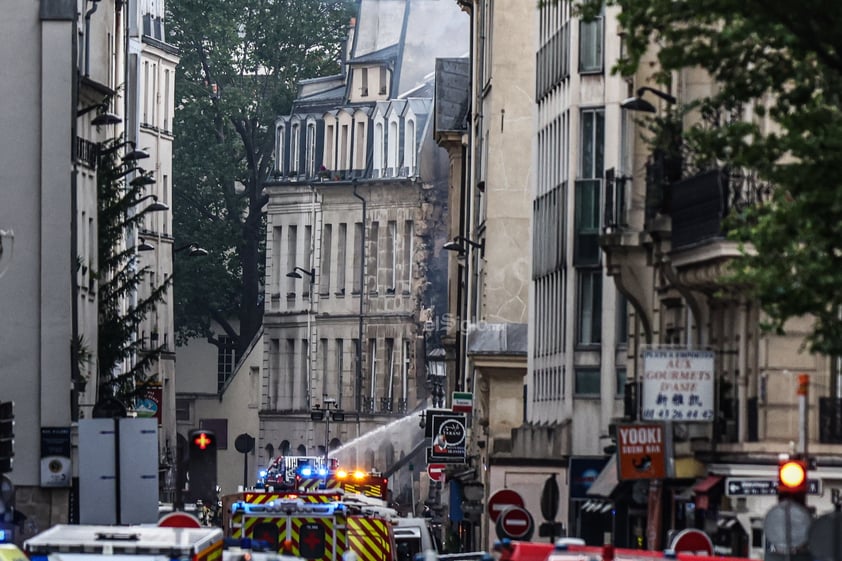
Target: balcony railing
<point x="699" y="204"/>
<point x="86" y="151"/>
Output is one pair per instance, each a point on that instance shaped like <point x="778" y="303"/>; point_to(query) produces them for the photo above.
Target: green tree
<point x="781" y="63"/>
<point x="120" y="308"/>
<point x="241" y="61"/>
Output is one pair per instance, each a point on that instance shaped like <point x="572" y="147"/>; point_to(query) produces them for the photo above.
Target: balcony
<point x="698" y="205"/>
<point x="86" y="152"/>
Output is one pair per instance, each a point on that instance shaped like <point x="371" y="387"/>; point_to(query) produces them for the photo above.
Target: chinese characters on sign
<point x="677" y="385"/>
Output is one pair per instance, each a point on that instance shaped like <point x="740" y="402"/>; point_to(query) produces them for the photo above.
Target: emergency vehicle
<point x="318" y="525"/>
<point x="282" y="471"/>
<point x="356" y="482"/>
<point x="508" y="550"/>
<point x="89" y="542"/>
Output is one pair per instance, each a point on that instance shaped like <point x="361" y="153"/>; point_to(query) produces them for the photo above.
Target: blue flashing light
<point x="263" y="473"/>
<point x="306" y="471"/>
<point x="322" y="472"/>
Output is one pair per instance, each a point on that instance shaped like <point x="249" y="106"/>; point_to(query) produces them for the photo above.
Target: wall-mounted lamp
<point x="459" y="244"/>
<point x="637" y="103"/>
<point x="295" y="274"/>
<point x="145" y="246"/>
<point x="106" y="118"/>
<point x="135" y="154"/>
<point x="195" y="250"/>
<point x="142" y="180"/>
<point x="155" y="206"/>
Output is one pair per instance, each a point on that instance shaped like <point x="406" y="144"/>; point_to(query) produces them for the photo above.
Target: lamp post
<point x="296" y="273"/>
<point x="327" y="415"/>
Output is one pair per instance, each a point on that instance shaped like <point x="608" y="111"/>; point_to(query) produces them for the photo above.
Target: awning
<point x="606" y="482"/>
<point x="706" y="484"/>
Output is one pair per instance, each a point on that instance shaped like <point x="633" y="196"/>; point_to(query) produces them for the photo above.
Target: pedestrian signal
<point x="201" y="470"/>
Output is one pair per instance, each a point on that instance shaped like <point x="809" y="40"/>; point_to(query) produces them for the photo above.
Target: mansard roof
<point x="386" y="54"/>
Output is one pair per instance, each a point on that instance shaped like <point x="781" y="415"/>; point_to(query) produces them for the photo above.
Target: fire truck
<point x="357" y="482"/>
<point x="283" y="470"/>
<point x="320" y="525"/>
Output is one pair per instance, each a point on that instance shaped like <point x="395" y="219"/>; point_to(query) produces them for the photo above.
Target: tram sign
<point x="741" y="487"/>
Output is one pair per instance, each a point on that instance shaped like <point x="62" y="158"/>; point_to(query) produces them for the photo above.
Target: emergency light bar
<point x="288" y="506"/>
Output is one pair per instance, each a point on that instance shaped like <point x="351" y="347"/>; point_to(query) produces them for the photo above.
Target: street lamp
<point x="327" y="415"/>
<point x="459" y="244"/>
<point x="294" y="274"/>
<point x="637" y="103"/>
<point x="195" y="250"/>
<point x="437" y="376"/>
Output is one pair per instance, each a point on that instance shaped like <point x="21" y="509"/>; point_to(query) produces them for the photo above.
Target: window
<point x="364" y="82"/>
<point x="358" y="257"/>
<point x="621" y="381"/>
<point x="590" y="45"/>
<point x="308" y="259"/>
<point x="590" y="307"/>
<point x="593" y="139"/>
<point x="329" y="155"/>
<point x="226" y="359"/>
<point x="182" y="409"/>
<point x="341" y="248"/>
<point x="384" y="80"/>
<point x="280" y="154"/>
<point x="389" y="395"/>
<point x="392" y="144"/>
<point x="373" y="256"/>
<point x="359" y="146"/>
<point x="408" y="242"/>
<point x="166" y="100"/>
<point x="292" y="251"/>
<point x="328" y="387"/>
<point x="391" y="252"/>
<point x="405" y="371"/>
<point x="324" y="272"/>
<point x="277" y="272"/>
<point x="372" y="362"/>
<point x="340" y="370"/>
<point x="311" y="150"/>
<point x="409" y="149"/>
<point x="379" y="150"/>
<point x="147" y="95"/>
<point x="295" y="149"/>
<point x="586" y="249"/>
<point x="587" y="381"/>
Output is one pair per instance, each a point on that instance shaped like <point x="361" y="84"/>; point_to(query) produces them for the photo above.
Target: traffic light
<point x="792" y="479"/>
<point x="201" y="468"/>
<point x="7" y="436"/>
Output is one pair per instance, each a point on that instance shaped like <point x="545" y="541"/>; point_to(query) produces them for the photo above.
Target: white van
<point x="412" y="536"/>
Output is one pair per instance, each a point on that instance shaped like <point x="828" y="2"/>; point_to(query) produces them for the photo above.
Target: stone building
<point x="356" y="222"/>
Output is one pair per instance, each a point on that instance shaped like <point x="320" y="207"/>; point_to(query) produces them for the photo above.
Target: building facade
<point x="356" y="222"/>
<point x="56" y="121"/>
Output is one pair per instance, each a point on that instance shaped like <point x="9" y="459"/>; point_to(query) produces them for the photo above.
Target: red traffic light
<point x="792" y="474"/>
<point x="203" y="440"/>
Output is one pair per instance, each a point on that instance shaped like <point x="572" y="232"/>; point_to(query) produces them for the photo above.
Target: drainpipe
<point x="88" y="36"/>
<point x="358" y="384"/>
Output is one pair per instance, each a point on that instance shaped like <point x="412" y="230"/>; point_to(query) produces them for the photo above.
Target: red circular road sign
<point x="502" y="499"/>
<point x="692" y="541"/>
<point x="179" y="520"/>
<point x="436" y="471"/>
<point x="515" y="523"/>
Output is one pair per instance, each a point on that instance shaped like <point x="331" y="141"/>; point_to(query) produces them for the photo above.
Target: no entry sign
<point x="436" y="471"/>
<point x="515" y="523"/>
<point x="502" y="499"/>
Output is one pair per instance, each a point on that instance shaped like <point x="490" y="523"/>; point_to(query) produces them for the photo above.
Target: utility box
<point x="118" y="471"/>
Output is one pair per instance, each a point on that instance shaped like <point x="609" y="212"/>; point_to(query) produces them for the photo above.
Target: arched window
<point x="393" y="147"/>
<point x="270" y="453"/>
<point x="302" y="450"/>
<point x="335" y="444"/>
<point x="283" y="449"/>
<point x="295" y="149"/>
<point x="280" y="147"/>
<point x="311" y="150"/>
<point x="409" y="148"/>
<point x="378" y="150"/>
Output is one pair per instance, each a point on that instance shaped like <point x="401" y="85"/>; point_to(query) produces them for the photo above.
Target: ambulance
<point x="124" y="543"/>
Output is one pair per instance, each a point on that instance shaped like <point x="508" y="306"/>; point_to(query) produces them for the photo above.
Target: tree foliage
<point x="240" y="65"/>
<point x="121" y="309"/>
<point x="780" y="65"/>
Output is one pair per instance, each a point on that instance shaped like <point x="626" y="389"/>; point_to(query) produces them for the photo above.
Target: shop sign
<point x="641" y="451"/>
<point x="677" y="385"/>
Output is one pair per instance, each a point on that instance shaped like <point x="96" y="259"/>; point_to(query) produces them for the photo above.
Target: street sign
<point x="436" y="471"/>
<point x="462" y="402"/>
<point x="515" y="523"/>
<point x="502" y="499"/>
<point x="449" y="437"/>
<point x="786" y="526"/>
<point x="692" y="541"/>
<point x="825" y="537"/>
<point x="747" y="487"/>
